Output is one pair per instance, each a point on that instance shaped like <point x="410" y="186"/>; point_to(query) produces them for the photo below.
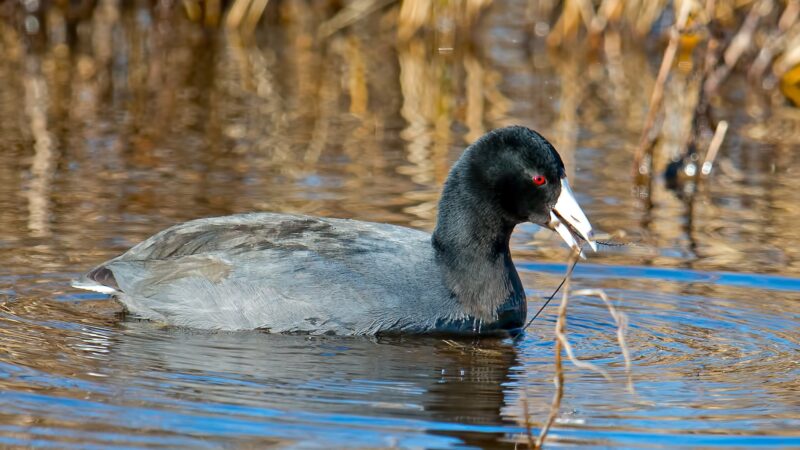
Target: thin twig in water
<point x="562" y="342"/>
<point x="558" y="379"/>
<point x="547" y="302"/>
<point x="472" y="349"/>
<point x="577" y="362"/>
<point x="526" y="417"/>
<point x="621" y="320"/>
<point x="600" y="240"/>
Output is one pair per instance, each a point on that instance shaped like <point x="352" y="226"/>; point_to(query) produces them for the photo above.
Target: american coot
<point x="292" y="273"/>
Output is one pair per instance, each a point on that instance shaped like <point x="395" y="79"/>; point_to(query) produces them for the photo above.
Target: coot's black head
<point x="519" y="174"/>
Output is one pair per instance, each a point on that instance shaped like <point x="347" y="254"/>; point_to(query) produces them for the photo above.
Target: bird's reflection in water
<point x="424" y="379"/>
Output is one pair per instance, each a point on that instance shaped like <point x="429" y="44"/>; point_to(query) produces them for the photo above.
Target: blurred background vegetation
<point x="707" y="39"/>
<point x="358" y="108"/>
<point x="120" y="118"/>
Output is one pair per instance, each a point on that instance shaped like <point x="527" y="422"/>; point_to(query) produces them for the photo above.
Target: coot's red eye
<point x="539" y="180"/>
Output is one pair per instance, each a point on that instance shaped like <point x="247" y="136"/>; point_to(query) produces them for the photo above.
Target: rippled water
<point x="135" y="126"/>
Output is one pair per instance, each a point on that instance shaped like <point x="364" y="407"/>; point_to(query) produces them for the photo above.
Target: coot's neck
<point x="471" y="241"/>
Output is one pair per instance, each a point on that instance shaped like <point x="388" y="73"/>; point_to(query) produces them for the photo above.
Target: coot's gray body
<point x="288" y="273"/>
<point x="291" y="273"/>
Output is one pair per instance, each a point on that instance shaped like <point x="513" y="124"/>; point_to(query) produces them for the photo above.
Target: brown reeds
<point x="563" y="346"/>
<point x="752" y="34"/>
<point x="245" y="15"/>
<point x="762" y="32"/>
<point x="561" y="339"/>
<point x="648" y="137"/>
<point x="561" y="21"/>
<point x="526" y="419"/>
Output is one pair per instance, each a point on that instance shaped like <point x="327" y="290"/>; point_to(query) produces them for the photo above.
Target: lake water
<point x="136" y="120"/>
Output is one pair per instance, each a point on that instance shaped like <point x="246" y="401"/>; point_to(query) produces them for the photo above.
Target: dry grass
<point x="564" y="347"/>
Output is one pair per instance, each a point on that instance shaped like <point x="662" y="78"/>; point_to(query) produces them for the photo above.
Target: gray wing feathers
<point x="282" y="272"/>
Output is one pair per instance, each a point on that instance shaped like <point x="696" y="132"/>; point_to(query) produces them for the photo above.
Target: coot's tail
<point x="100" y="279"/>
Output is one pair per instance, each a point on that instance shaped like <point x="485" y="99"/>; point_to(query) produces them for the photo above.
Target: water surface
<point x="139" y="121"/>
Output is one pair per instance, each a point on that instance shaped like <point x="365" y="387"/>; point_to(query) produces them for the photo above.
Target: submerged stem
<point x="562" y="343"/>
<point x="621" y="320"/>
<point x="561" y="340"/>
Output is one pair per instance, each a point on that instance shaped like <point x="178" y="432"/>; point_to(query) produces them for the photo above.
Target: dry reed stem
<point x="777" y="41"/>
<point x="351" y="14"/>
<point x="562" y="342"/>
<point x="608" y="12"/>
<point x="643" y="13"/>
<point x="713" y="147"/>
<point x="621" y="321"/>
<point x="236" y="13"/>
<point x="647" y="139"/>
<point x="582" y="364"/>
<point x="700" y="115"/>
<point x="193" y="10"/>
<point x="527" y="421"/>
<point x="587" y="14"/>
<point x="257" y="8"/>
<point x="741" y="42"/>
<point x="213" y="10"/>
<point x="244" y="15"/>
<point x="789" y="16"/>
<point x="413" y="14"/>
<point x="561" y="339"/>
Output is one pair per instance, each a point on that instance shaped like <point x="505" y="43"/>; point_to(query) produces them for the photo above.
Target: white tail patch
<point x="94" y="287"/>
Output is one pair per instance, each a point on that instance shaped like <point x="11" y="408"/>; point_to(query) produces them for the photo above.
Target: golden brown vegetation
<point x="763" y="34"/>
<point x="705" y="42"/>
